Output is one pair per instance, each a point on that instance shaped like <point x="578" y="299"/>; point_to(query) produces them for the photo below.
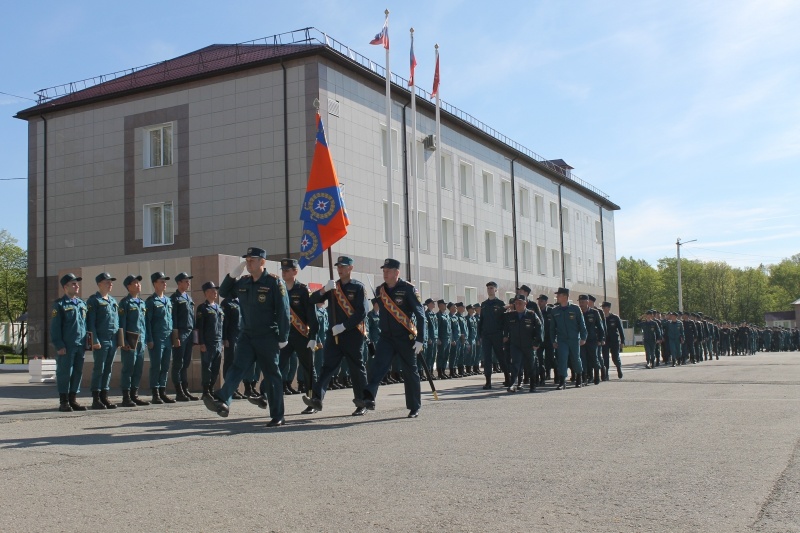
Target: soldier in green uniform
<point x="209" y="325"/>
<point x="615" y="339"/>
<point x="265" y="315"/>
<point x="182" y="342"/>
<point x="68" y="335"/>
<point x="595" y="338"/>
<point x="490" y="332"/>
<point x="231" y="328"/>
<point x="652" y="335"/>
<point x="132" y="311"/>
<point x="674" y="330"/>
<point x="102" y="325"/>
<point x="429" y="354"/>
<point x="159" y="329"/>
<point x="568" y="331"/>
<point x="472" y="338"/>
<point x="443" y="341"/>
<point x="522" y="329"/>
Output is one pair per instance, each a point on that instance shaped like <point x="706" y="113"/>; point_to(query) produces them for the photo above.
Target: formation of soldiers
<point x="271" y="331"/>
<point x="680" y="338"/>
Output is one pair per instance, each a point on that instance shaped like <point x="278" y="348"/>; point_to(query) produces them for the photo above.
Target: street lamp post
<point x="680" y="286"/>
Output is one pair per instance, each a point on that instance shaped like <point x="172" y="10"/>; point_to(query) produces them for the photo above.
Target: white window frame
<point x="167" y="145"/>
<point x="553" y="215"/>
<point x="538" y="207"/>
<point x="508" y="296"/>
<point x="556" y="257"/>
<point x="527" y="256"/>
<point x="567" y="267"/>
<point x="167" y="237"/>
<point x="421" y="161"/>
<point x="505" y="195"/>
<point x="448" y="237"/>
<point x="487" y="181"/>
<point x="466" y="179"/>
<point x="508" y="251"/>
<point x="524" y="203"/>
<point x="425" y="290"/>
<point x="468" y="248"/>
<point x="597" y="232"/>
<point x="395" y="148"/>
<point x="470" y="295"/>
<point x="446" y="167"/>
<point x="395" y="222"/>
<point x="449" y="292"/>
<point x="490" y="243"/>
<point x="565" y="219"/>
<point x="541" y="260"/>
<point x="424" y="241"/>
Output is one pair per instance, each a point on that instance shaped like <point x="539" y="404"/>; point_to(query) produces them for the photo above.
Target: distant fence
<point x="13" y="334"/>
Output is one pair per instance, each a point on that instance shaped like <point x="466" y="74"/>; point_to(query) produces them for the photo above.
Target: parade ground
<point x="708" y="447"/>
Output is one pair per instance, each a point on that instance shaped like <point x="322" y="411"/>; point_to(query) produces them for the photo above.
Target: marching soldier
<point x="265" y="330"/>
<point x="210" y="331"/>
<point x="102" y="325"/>
<point x="652" y="335"/>
<point x="402" y="335"/>
<point x="545" y="353"/>
<point x="490" y="332"/>
<point x="231" y="327"/>
<point x="159" y="329"/>
<point x="132" y="313"/>
<point x="347" y="304"/>
<point x="522" y="329"/>
<point x="568" y="331"/>
<point x="182" y="342"/>
<point x="615" y="339"/>
<point x="68" y="335"/>
<point x="443" y="342"/>
<point x="674" y="330"/>
<point x="595" y="338"/>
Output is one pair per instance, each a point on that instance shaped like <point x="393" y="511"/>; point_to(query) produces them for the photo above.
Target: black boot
<point x="162" y="393"/>
<point x="292" y="389"/>
<point x="207" y="391"/>
<point x="248" y="390"/>
<point x="619" y="371"/>
<point x="597" y="376"/>
<point x="135" y="397"/>
<point x="488" y="385"/>
<point x="96" y="403"/>
<point x="561" y="384"/>
<point x="104" y="400"/>
<point x="73" y="402"/>
<point x="156" y="398"/>
<point x="507" y="382"/>
<point x="578" y="379"/>
<point x="179" y="394"/>
<point x="185" y="388"/>
<point x="63" y="405"/>
<point x="126" y="399"/>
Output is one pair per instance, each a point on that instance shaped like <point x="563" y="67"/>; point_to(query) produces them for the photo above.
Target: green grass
<point x="629" y="349"/>
<point x="12" y="359"/>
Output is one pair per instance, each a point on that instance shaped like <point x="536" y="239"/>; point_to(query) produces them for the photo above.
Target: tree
<point x="13" y="278"/>
<point x="640" y="287"/>
<point x="784" y="282"/>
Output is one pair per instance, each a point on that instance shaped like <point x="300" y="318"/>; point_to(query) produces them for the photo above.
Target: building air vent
<point x="333" y="107"/>
<point x="429" y="143"/>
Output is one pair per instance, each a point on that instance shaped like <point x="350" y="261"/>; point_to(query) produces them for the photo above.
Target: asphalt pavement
<point x="708" y="447"/>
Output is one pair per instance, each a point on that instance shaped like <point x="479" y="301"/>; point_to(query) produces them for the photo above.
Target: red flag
<point x="413" y="63"/>
<point x="435" y="91"/>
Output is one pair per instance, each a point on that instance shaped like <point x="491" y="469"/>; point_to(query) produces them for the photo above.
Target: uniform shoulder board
<point x="273" y="275"/>
<point x="55" y="312"/>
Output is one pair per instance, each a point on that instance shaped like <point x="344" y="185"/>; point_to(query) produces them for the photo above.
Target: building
<point x="784" y="319"/>
<point x="182" y="164"/>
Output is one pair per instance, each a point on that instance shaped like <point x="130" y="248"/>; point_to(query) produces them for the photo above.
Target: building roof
<point x="220" y="59"/>
<point x="796" y="302"/>
<point x="779" y="315"/>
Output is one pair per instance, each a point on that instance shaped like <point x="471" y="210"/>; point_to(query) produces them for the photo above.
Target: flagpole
<point x="439" y="185"/>
<point x="413" y="167"/>
<point x="390" y="200"/>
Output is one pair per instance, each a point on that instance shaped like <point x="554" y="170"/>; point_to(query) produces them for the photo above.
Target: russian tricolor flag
<point x="413" y="63"/>
<point x="383" y="36"/>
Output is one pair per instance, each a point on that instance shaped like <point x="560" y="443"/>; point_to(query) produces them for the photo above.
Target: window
<point x="468" y="241"/>
<point x="448" y="237"/>
<point x="553" y="215"/>
<point x="424" y="290"/>
<point x="565" y="219"/>
<point x="541" y="260"/>
<point x="423" y="231"/>
<point x="449" y="293"/>
<point x="505" y="190"/>
<point x="538" y="208"/>
<point x="509" y="296"/>
<point x="470" y="295"/>
<point x="527" y="258"/>
<point x="524" y="203"/>
<point x="488" y="188"/>
<point x="598" y="232"/>
<point x="508" y="251"/>
<point x="395" y="222"/>
<point x="447" y="172"/>
<point x="490" y="243"/>
<point x="158" y="146"/>
<point x="567" y="267"/>
<point x="420" y="161"/>
<point x="556" y="263"/>
<point x="158" y="224"/>
<point x="385" y="148"/>
<point x="600" y="275"/>
<point x="465" y="178"/>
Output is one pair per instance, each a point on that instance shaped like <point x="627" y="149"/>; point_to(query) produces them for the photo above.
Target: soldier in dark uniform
<point x="182" y="342"/>
<point x="265" y="330"/>
<point x="689" y="333"/>
<point x="346" y="312"/>
<point x="68" y="335"/>
<point x="210" y="331"/>
<point x="522" y="329"/>
<point x="303" y="333"/>
<point x="463" y="343"/>
<point x="159" y="328"/>
<point x="231" y="327"/>
<point x="455" y="339"/>
<point x="402" y="334"/>
<point x="545" y="353"/>
<point x="675" y="335"/>
<point x="615" y="339"/>
<point x="595" y="338"/>
<point x="472" y="336"/>
<point x="102" y="325"/>
<point x="432" y="335"/>
<point x="132" y="312"/>
<point x="568" y="331"/>
<point x="652" y="335"/>
<point x="443" y="341"/>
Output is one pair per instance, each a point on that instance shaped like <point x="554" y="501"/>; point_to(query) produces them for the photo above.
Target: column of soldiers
<point x="275" y="330"/>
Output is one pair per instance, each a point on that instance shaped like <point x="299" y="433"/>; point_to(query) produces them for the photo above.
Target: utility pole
<point x="678" y="243"/>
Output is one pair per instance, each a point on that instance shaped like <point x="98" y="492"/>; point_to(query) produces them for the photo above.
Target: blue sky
<point x="686" y="113"/>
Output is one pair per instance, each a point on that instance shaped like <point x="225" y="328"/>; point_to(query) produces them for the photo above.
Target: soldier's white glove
<point x="312" y="344"/>
<point x="236" y="272"/>
<point x="282" y="345"/>
<point x="418" y="347"/>
<point x="329" y="286"/>
<point x="337" y="329"/>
